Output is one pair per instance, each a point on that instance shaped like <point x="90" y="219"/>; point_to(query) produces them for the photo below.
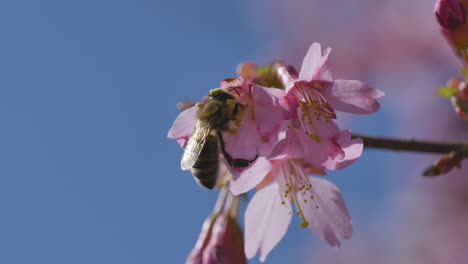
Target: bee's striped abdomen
<point x="205" y="169"/>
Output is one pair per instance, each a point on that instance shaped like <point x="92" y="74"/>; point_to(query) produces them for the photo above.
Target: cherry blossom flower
<point x="312" y="141"/>
<point x="318" y="202"/>
<point x="309" y="101"/>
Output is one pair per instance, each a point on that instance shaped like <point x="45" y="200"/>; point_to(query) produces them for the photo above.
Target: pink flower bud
<point x="247" y="69"/>
<point x="463" y="91"/>
<point x="196" y="255"/>
<point x="450" y="13"/>
<point x="226" y="245"/>
<point x="221" y="239"/>
<point x="463" y="115"/>
<point x="460" y="106"/>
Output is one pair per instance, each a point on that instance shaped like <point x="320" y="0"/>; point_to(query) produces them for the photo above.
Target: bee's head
<point x="220" y="94"/>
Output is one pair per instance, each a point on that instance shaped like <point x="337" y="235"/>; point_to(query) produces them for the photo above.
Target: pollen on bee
<point x="199" y="104"/>
<point x="212" y="91"/>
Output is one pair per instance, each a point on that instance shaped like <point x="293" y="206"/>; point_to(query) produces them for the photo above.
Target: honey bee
<point x="201" y="154"/>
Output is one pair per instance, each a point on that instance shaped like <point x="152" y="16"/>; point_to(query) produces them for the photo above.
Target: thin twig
<point x="411" y="144"/>
<point x="455" y="151"/>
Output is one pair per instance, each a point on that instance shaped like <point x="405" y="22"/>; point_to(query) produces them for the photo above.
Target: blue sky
<point x="87" y="94"/>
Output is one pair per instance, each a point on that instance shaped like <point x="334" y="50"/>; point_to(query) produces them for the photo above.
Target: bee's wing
<point x="195" y="144"/>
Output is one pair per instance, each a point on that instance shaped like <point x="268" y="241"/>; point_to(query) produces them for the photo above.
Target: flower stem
<point x="221" y="201"/>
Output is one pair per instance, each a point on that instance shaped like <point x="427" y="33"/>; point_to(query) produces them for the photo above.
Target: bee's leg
<point x="237" y="92"/>
<point x="240" y="163"/>
<point x="236" y="110"/>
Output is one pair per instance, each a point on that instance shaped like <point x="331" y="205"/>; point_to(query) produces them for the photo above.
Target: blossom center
<point x="295" y="187"/>
<point x="312" y="108"/>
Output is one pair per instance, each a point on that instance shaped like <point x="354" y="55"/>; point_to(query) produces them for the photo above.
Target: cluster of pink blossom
<point x="285" y="126"/>
<point x="451" y="15"/>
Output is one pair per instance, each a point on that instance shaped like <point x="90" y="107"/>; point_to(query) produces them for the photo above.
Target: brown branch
<point x="455" y="151"/>
<point x="410" y="144"/>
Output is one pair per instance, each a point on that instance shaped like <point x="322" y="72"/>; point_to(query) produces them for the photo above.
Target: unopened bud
<point x="463" y="91"/>
<point x="443" y="165"/>
<point x="461" y="107"/>
<point x="221" y="240"/>
<point x="226" y="245"/>
<point x="454" y="82"/>
<point x="247" y="69"/>
<point x="450" y="13"/>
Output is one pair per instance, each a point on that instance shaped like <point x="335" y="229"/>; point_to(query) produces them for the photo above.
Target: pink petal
<point x="288" y="147"/>
<point x="331" y="220"/>
<point x="352" y="96"/>
<point x="266" y="221"/>
<point x="314" y="66"/>
<point x="326" y="153"/>
<point x="248" y="178"/>
<point x="243" y="144"/>
<point x="183" y="126"/>
<point x="285" y="77"/>
<point x="351" y="147"/>
<point x="271" y="107"/>
<point x="269" y="140"/>
<point x="239" y="83"/>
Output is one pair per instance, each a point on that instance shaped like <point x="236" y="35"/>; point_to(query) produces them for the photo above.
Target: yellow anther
<point x="316" y="138"/>
<point x="304" y="224"/>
